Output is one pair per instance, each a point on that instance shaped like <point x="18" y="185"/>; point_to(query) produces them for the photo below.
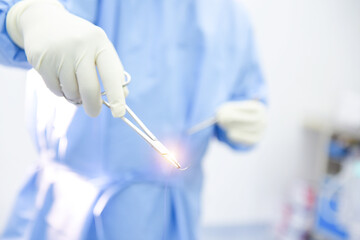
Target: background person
<point x="189" y="61"/>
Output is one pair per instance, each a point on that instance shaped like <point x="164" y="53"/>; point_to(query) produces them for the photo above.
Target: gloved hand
<point x="66" y="50"/>
<point x="243" y="121"/>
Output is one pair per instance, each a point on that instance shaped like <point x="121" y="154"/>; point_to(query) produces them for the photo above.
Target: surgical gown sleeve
<point x="250" y="84"/>
<point x="10" y="54"/>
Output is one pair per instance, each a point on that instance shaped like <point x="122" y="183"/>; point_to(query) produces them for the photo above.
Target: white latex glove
<point x="66" y="50"/>
<point x="243" y="121"/>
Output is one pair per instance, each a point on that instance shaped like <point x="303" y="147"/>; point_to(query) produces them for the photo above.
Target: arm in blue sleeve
<point x="10" y="54"/>
<point x="249" y="85"/>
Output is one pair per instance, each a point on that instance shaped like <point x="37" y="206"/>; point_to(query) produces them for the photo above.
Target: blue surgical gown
<point x="96" y="178"/>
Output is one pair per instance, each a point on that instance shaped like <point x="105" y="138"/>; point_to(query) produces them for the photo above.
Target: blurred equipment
<point x="296" y="221"/>
<point x="327" y="224"/>
<point x="337" y="163"/>
<point x="338" y="214"/>
<point x="349" y="201"/>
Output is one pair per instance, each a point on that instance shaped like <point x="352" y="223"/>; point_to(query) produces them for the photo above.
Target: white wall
<point x="310" y="51"/>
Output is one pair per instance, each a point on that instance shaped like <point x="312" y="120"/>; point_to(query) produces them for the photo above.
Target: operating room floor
<point x="250" y="232"/>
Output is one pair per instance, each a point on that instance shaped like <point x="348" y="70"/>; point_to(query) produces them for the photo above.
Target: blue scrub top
<point x="97" y="179"/>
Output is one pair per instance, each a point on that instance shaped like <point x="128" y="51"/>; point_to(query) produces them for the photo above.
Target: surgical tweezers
<point x="144" y="132"/>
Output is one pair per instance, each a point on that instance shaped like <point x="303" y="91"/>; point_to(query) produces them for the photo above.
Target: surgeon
<point x="190" y="60"/>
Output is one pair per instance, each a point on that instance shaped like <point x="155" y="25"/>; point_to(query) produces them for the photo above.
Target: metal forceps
<point x="143" y="131"/>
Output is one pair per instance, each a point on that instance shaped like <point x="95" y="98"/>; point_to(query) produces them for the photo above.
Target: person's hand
<point x="243" y="121"/>
<point x="66" y="50"/>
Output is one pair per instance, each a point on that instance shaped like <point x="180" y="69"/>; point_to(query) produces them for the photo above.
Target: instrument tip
<point x="171" y="158"/>
<point x="183" y="169"/>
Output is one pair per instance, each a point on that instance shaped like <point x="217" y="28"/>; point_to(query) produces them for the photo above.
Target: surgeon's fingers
<point x="126" y="91"/>
<point x="244" y="119"/>
<point x="51" y="81"/>
<point x="89" y="86"/>
<point x="245" y="138"/>
<point x="246" y="112"/>
<point x="112" y="76"/>
<point x="246" y="127"/>
<point x="69" y="83"/>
